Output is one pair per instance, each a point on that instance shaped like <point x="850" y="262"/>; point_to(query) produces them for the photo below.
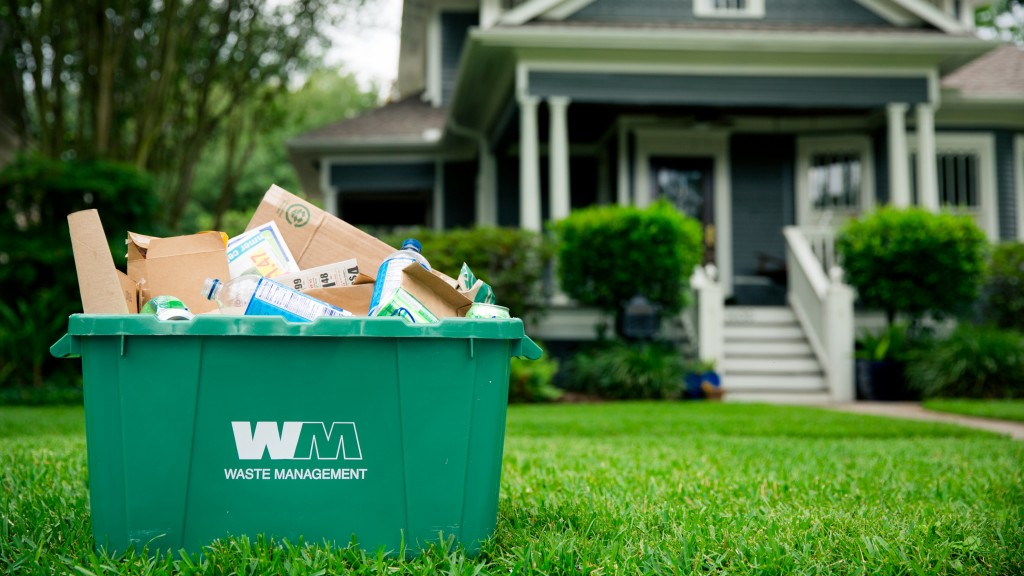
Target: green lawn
<point x="998" y="409"/>
<point x="623" y="488"/>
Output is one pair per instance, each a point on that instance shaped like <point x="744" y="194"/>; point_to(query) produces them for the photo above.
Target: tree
<point x="1002" y="19"/>
<point x="149" y="82"/>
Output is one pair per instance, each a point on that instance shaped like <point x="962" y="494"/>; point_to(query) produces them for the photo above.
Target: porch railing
<point x="822" y="240"/>
<point x="708" y="314"/>
<point x="823" y="304"/>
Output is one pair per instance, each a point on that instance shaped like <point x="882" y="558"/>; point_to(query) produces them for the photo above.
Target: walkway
<point x="914" y="411"/>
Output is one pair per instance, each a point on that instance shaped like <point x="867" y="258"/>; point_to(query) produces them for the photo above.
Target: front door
<point x="686" y="182"/>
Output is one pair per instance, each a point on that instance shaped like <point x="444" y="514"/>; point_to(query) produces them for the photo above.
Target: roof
<point x="997" y="74"/>
<point x="407" y="120"/>
<point x="739" y="25"/>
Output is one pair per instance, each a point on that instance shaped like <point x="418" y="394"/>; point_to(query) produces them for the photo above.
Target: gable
<point x="784" y="12"/>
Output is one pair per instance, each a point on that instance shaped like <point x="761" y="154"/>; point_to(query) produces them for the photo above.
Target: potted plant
<point x="881" y="359"/>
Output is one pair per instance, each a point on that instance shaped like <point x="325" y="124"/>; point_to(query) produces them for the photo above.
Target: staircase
<point x="767" y="358"/>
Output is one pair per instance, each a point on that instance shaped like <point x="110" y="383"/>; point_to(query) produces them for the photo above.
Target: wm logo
<point x="297" y="440"/>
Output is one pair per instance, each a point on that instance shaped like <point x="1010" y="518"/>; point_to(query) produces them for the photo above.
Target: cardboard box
<point x="177" y="266"/>
<point x="315" y="237"/>
<point x="354" y="299"/>
<point x="434" y="291"/>
<point x="104" y="288"/>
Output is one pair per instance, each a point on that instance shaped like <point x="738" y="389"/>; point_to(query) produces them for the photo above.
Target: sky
<point x="370" y="50"/>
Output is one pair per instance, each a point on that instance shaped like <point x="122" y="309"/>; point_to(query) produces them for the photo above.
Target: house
<point x="770" y="121"/>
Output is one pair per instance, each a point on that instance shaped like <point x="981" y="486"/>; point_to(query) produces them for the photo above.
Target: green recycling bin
<point x="375" y="430"/>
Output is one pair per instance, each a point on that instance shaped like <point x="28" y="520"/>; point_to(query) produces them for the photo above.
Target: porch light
<point x="641" y="319"/>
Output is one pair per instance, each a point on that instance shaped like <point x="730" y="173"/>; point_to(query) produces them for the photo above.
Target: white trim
<point x="622" y="190"/>
<point x="707" y="9"/>
<point x="932" y="15"/>
<point x="893" y="13"/>
<point x="528" y="11"/>
<point x="559" y="192"/>
<point x="530" y="217"/>
<point x="807" y="146"/>
<point x="565" y="9"/>
<point x="899" y="168"/>
<point x="811" y="71"/>
<point x="984" y="145"/>
<point x="1018" y="169"/>
<point x="327" y="192"/>
<point x="652" y="140"/>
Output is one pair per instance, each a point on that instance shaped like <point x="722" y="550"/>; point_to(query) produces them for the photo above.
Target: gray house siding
<point x="762" y="196"/>
<point x="819" y="12"/>
<point x="454" y="29"/>
<point x="721" y="91"/>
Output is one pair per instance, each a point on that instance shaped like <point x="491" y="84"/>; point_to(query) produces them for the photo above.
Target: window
<point x="835" y="180"/>
<point x="965" y="178"/>
<point x="728" y="8"/>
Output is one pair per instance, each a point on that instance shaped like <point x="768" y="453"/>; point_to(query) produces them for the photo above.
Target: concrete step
<point x="759" y="315"/>
<point x="789" y="349"/>
<point x="771" y="366"/>
<point x="779" y="397"/>
<point x="764" y="333"/>
<point x="741" y="382"/>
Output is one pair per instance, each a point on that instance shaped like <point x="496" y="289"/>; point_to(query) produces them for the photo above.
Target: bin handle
<point x="526" y="348"/>
<point x="67" y="347"/>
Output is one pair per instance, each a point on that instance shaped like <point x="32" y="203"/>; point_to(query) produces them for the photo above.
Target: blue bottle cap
<point x="412" y="244"/>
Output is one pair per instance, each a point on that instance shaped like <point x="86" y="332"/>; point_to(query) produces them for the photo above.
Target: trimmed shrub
<point x="531" y="380"/>
<point x="37" y="268"/>
<point x="1003" y="290"/>
<point x="625" y="371"/>
<point x="912" y="261"/>
<point x="511" y="260"/>
<point x="973" y="362"/>
<point x="609" y="254"/>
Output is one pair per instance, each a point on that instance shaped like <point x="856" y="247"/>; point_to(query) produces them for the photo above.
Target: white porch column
<point x="927" y="169"/>
<point x="839" y="344"/>
<point x="529" y="165"/>
<point x="899" y="172"/>
<point x="622" y="194"/>
<point x="559" y="157"/>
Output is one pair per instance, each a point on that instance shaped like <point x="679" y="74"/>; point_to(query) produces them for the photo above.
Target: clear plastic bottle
<point x="254" y="295"/>
<point x="389" y="275"/>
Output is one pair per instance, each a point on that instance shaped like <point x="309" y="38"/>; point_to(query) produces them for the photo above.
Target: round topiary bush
<point x="1003" y="291"/>
<point x="609" y="254"/>
<point x="912" y="261"/>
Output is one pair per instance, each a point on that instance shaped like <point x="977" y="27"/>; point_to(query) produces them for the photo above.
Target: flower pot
<point x="883" y="381"/>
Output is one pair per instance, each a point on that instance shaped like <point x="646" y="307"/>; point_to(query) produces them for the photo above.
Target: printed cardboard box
<point x="177" y="267"/>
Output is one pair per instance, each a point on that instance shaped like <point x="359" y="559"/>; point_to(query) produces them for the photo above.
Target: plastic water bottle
<point x="254" y="295"/>
<point x="389" y="275"/>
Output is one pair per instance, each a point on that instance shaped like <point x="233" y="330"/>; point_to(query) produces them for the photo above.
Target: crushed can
<point x="404" y="305"/>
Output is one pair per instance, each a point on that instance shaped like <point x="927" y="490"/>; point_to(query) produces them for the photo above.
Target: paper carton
<point x="337" y="274"/>
<point x="262" y="251"/>
<point x="315" y="237"/>
<point x="177" y="266"/>
<point x="104" y="288"/>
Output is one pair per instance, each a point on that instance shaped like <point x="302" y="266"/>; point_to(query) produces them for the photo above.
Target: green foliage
<point x="890" y="343"/>
<point x="37" y="268"/>
<point x="628" y="371"/>
<point x="511" y="260"/>
<point x="531" y="380"/>
<point x="973" y="362"/>
<point x="1003" y="290"/>
<point x="912" y="261"/>
<point x="608" y="254"/>
<point x="1003" y="19"/>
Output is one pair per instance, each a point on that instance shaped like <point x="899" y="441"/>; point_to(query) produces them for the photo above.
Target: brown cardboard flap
<point x="177" y="266"/>
<point x="355" y="298"/>
<point x="363" y="279"/>
<point x="98" y="281"/>
<point x="315" y="237"/>
<point x="434" y="292"/>
<point x="130" y="290"/>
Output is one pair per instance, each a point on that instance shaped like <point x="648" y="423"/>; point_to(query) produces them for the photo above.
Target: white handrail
<point x="823" y="304"/>
<point x="709" y="314"/>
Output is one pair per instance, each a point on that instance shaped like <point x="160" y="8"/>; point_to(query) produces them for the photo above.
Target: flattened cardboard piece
<point x="354" y="299"/>
<point x="98" y="282"/>
<point x="177" y="266"/>
<point x="315" y="237"/>
<point x="433" y="291"/>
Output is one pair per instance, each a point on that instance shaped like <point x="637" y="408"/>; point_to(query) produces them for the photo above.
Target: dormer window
<point x="728" y="8"/>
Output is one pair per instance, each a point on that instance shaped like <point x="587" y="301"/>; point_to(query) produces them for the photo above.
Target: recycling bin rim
<point x="273" y="326"/>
